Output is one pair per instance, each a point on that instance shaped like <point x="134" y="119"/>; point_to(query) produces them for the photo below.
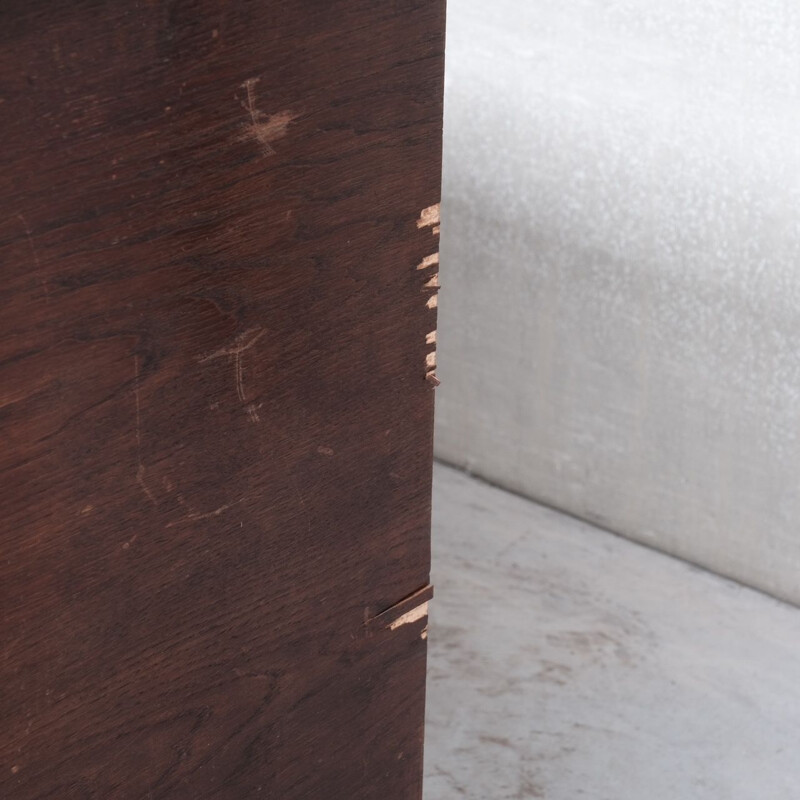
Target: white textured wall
<point x="620" y="314"/>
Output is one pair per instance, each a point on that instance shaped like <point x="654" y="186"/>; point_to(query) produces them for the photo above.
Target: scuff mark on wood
<point x="127" y="545"/>
<point x="264" y="128"/>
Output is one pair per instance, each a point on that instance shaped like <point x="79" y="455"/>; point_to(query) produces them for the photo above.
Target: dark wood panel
<point x="216" y="394"/>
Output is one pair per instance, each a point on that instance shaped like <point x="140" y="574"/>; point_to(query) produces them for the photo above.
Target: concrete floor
<point x="568" y="663"/>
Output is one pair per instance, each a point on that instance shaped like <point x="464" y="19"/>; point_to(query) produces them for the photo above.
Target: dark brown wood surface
<point x="216" y="393"/>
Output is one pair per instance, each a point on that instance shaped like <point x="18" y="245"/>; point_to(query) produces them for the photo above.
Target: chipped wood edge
<point x="410" y="609"/>
<point x="429" y="218"/>
<point x="410" y="616"/>
<point x="429" y="261"/>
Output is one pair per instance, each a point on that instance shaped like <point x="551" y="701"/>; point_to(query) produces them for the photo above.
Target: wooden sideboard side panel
<point x="218" y="237"/>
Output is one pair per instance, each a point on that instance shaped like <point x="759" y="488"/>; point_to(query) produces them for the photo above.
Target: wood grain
<point x="215" y="418"/>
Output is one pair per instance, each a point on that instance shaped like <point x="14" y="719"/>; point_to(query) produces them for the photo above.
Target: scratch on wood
<point x="302" y="501"/>
<point x="34" y="253"/>
<point x="264" y="128"/>
<point x="244" y="341"/>
<point x="195" y="516"/>
<point x="140" y="470"/>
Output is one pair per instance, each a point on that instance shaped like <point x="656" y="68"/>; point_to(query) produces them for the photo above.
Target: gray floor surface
<point x="568" y="663"/>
